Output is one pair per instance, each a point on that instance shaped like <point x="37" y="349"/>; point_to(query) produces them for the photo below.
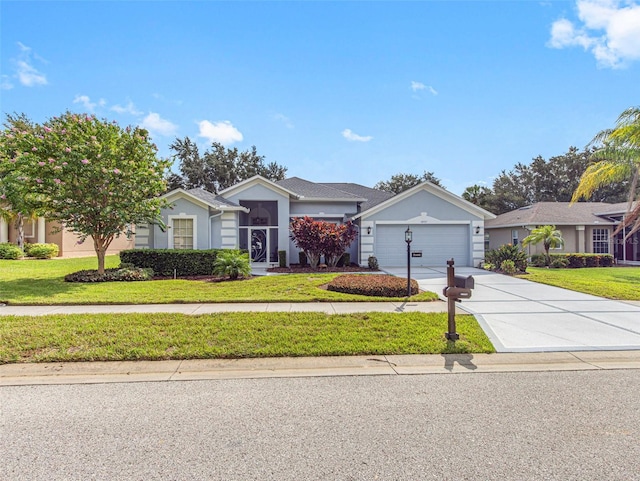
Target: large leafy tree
<point x="218" y="167"/>
<point x="550" y="237"/>
<point x="479" y="195"/>
<point x="401" y="182"/>
<point x="617" y="158"/>
<point x="94" y="177"/>
<point x="17" y="202"/>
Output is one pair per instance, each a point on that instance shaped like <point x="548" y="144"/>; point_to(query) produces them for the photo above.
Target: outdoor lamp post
<point x="408" y="237"/>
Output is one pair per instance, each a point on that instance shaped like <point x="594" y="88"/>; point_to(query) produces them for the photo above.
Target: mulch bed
<point x="297" y="269"/>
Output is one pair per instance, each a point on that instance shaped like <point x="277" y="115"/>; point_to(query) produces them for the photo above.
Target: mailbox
<point x="457" y="293"/>
<point x="464" y="282"/>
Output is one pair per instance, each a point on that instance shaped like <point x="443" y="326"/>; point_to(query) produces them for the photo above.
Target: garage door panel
<point x="438" y="244"/>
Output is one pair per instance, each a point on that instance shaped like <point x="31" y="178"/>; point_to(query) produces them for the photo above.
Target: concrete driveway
<point x="523" y="316"/>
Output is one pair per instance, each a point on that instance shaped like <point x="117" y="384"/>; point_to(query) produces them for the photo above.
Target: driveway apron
<point x="524" y="316"/>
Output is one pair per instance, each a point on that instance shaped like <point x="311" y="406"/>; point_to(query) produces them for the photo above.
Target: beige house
<point x="587" y="227"/>
<point x="41" y="231"/>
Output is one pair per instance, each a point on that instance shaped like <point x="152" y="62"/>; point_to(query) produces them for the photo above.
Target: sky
<point x="336" y="91"/>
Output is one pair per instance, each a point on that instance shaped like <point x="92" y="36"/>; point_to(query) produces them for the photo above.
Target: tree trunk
<point x="101" y="245"/>
<point x="20" y="228"/>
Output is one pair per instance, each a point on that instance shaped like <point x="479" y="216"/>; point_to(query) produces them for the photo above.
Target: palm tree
<point x="548" y="235"/>
<point x="617" y="159"/>
<point x="232" y="264"/>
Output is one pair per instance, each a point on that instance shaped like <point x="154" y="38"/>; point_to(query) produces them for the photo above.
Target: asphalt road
<point x="516" y="426"/>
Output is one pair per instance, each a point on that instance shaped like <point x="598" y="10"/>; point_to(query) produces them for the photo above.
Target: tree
<point x="618" y="160"/>
<point x="94" y="177"/>
<point x="318" y="237"/>
<point x="401" y="182"/>
<point x="478" y="195"/>
<point x="548" y="235"/>
<point x="220" y="167"/>
<point x="17" y="202"/>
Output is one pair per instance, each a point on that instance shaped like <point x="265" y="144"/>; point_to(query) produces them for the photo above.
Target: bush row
<point x="39" y="251"/>
<point x="575" y="260"/>
<point x="167" y="262"/>
<point x="372" y="285"/>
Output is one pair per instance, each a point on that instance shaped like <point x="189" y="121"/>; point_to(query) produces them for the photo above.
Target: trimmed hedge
<point x="164" y="261"/>
<point x="41" y="251"/>
<point x="10" y="251"/>
<point x="574" y="260"/>
<point x="372" y="285"/>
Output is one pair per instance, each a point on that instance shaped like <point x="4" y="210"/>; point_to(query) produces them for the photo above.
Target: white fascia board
<point x="257" y="179"/>
<point x="181" y="193"/>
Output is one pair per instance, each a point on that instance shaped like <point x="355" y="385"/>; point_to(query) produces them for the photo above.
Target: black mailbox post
<point x="458" y="287"/>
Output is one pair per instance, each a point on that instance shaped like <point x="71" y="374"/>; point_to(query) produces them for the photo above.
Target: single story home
<point x="43" y="231"/>
<point x="255" y="215"/>
<point x="586" y="227"/>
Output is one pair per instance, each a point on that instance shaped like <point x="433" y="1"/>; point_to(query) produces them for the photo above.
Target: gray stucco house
<point x="586" y="227"/>
<point x="255" y="215"/>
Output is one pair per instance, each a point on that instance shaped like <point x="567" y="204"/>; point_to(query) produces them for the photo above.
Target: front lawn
<point x="118" y="337"/>
<point x="612" y="282"/>
<point x="40" y="282"/>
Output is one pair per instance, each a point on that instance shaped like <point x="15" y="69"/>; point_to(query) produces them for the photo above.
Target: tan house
<point x="586" y="227"/>
<point x="42" y="231"/>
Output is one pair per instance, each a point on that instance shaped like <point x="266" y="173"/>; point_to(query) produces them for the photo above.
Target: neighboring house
<point x="42" y="231"/>
<point x="255" y="215"/>
<point x="586" y="227"/>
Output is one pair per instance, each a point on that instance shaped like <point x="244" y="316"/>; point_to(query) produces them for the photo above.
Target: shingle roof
<point x="312" y="190"/>
<point x="615" y="209"/>
<point x="211" y="199"/>
<point x="373" y="196"/>
<point x="552" y="213"/>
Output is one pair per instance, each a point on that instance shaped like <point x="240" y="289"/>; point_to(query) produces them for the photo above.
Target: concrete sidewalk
<point x="218" y="369"/>
<point x="193" y="309"/>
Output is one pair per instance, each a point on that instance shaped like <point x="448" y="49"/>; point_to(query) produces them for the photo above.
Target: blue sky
<point x="335" y="91"/>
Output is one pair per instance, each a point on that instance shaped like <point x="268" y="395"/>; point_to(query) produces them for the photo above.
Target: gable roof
<point x="318" y="191"/>
<point x="205" y="198"/>
<point x="373" y="196"/>
<point x="435" y="190"/>
<point x="258" y="180"/>
<point x="553" y="213"/>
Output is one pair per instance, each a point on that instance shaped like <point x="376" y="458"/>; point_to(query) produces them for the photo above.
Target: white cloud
<point x="5" y="83"/>
<point x="416" y="86"/>
<point x="609" y="29"/>
<point x="26" y="73"/>
<point x="223" y="132"/>
<point x="157" y="125"/>
<point x="284" y="119"/>
<point x="130" y="108"/>
<point x="349" y="135"/>
<point x="85" y="101"/>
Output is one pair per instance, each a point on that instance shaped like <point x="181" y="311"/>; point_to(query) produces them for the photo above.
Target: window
<point x="600" y="239"/>
<point x="514" y="237"/>
<point x="29" y="228"/>
<point x="183" y="233"/>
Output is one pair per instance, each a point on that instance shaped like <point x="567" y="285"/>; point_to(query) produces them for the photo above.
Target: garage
<point x="435" y="243"/>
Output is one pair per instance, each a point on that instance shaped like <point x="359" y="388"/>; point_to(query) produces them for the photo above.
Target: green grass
<point x="111" y="337"/>
<point x="612" y="282"/>
<point x="40" y="282"/>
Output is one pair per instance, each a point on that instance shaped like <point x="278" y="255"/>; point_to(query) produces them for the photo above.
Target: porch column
<point x="581" y="240"/>
<point x="42" y="230"/>
<point x="4" y="231"/>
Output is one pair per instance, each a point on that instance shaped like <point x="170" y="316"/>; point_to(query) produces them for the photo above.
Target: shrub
<point x="606" y="260"/>
<point x="373" y="263"/>
<point x="111" y="275"/>
<point x="41" y="251"/>
<point x="233" y="264"/>
<point x="538" y="260"/>
<point x="488" y="266"/>
<point x="282" y="258"/>
<point x="576" y="260"/>
<point x="508" y="267"/>
<point x="372" y="285"/>
<point x="166" y="262"/>
<point x="592" y="260"/>
<point x="559" y="262"/>
<point x="507" y="252"/>
<point x="302" y="258"/>
<point x="10" y="251"/>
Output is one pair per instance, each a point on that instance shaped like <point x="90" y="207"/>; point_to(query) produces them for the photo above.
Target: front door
<point x="259" y="245"/>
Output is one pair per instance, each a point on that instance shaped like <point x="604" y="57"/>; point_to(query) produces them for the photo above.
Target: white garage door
<point x="437" y="243"/>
